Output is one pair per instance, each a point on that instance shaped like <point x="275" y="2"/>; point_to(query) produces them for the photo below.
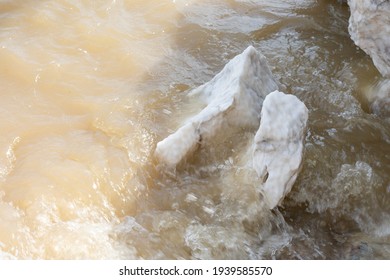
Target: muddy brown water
<point x="87" y="89"/>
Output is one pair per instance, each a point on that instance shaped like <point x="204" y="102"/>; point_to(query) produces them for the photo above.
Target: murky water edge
<point x="87" y="89"/>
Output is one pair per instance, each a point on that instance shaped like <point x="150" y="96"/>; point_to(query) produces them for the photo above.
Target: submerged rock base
<point x="379" y="97"/>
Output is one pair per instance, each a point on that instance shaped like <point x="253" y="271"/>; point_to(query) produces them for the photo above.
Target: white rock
<point x="369" y="27"/>
<point x="278" y="146"/>
<point x="234" y="98"/>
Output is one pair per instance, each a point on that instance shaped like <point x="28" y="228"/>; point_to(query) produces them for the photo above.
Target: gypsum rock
<point x="278" y="147"/>
<point x="369" y="27"/>
<point x="234" y="97"/>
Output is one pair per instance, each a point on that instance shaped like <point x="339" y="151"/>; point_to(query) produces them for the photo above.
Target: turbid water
<point x="88" y="88"/>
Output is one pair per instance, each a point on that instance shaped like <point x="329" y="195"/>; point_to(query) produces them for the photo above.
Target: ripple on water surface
<point x="87" y="89"/>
